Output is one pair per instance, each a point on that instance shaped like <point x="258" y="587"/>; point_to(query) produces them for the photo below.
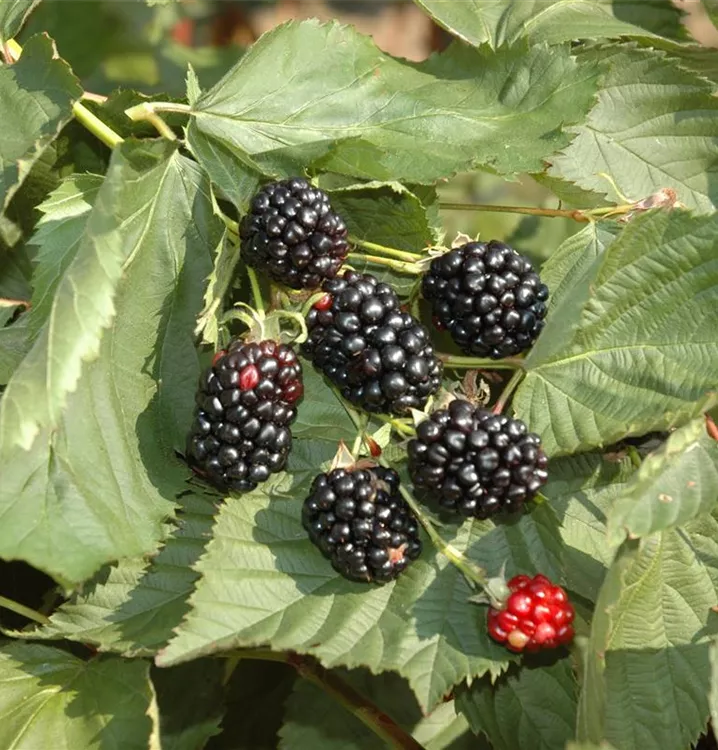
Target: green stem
<point x="21" y="609"/>
<point x="471" y="571"/>
<point x="383" y="250"/>
<point x="400" y="427"/>
<point x="506" y="394"/>
<point x="477" y="363"/>
<point x="256" y="291"/>
<point x="382" y="725"/>
<point x="94" y="125"/>
<point x="398" y="265"/>
<point x="605" y="212"/>
<point x="148" y="112"/>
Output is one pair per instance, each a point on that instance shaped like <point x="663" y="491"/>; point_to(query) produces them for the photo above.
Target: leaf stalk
<point x="406" y="267"/>
<point x="390" y="252"/>
<point x="23" y="611"/>
<point x="478" y="363"/>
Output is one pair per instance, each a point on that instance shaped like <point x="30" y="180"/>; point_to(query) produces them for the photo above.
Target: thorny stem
<point x="506" y="394"/>
<point x="475" y="575"/>
<point x="21" y="609"/>
<point x="256" y="291"/>
<point x="382" y="725"/>
<point x="595" y="214"/>
<point x="398" y="265"/>
<point x="83" y="115"/>
<point x="477" y="363"/>
<point x="383" y="250"/>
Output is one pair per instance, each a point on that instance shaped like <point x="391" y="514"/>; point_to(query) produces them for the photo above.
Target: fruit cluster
<point x="473" y="462"/>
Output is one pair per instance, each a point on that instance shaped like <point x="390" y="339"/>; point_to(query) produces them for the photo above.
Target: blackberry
<point x="360" y="522"/>
<point x="292" y="233"/>
<point x="245" y="405"/>
<point x="476" y="463"/>
<point x="380" y="357"/>
<point x="488" y="297"/>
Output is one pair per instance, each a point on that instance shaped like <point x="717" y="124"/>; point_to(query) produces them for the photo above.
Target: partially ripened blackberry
<point x="245" y="405"/>
<point x="476" y="463"/>
<point x="380" y="357"/>
<point x="361" y="523"/>
<point x="488" y="297"/>
<point x="292" y="234"/>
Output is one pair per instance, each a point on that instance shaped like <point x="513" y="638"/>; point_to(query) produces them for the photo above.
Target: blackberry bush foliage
<point x="380" y="357"/>
<point x="198" y="231"/>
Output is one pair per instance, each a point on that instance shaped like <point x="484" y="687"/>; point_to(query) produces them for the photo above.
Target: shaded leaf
<point x="12" y="16"/>
<point x="14" y="345"/>
<point x="632" y="349"/>
<point x="674" y="484"/>
<point x="263" y="582"/>
<point x="532" y="709"/>
<point x="315" y="720"/>
<point x="291" y="101"/>
<point x="582" y="490"/>
<point x="36" y="98"/>
<point x="98" y="486"/>
<point x="51" y="699"/>
<point x="655" y="126"/>
<point x="506" y="22"/>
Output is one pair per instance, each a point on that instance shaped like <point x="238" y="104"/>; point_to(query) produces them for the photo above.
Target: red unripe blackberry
<point x="489" y="298"/>
<point x="245" y="406"/>
<point x="476" y="463"/>
<point x="292" y="234"/>
<point x="360" y="522"/>
<point x="379" y="357"/>
<point x="536" y="615"/>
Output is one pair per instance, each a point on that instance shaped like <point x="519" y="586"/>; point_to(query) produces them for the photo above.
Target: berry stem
<point x="256" y="291"/>
<point x="391" y="252"/>
<point x="477" y="363"/>
<point x="87" y="119"/>
<point x="23" y="611"/>
<point x="382" y="725"/>
<point x="147" y="112"/>
<point x="595" y="214"/>
<point x="398" y="265"/>
<point x="506" y="394"/>
<point x="472" y="572"/>
<point x="399" y="426"/>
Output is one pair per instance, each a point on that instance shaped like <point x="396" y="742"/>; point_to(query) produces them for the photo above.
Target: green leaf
<point x="98" y="485"/>
<point x="713" y="695"/>
<point x="655" y="126"/>
<point x="51" y="699"/>
<point x="190" y="699"/>
<point x="323" y="95"/>
<point x="36" y="96"/>
<point x="12" y="16"/>
<point x="58" y="235"/>
<point x="263" y="582"/>
<point x="582" y="490"/>
<point x="315" y="720"/>
<point x="132" y="607"/>
<point x="226" y="257"/>
<point x="501" y="22"/>
<point x="648" y="672"/>
<point x="673" y="485"/>
<point x="632" y="348"/>
<point x="532" y="709"/>
<point x="14" y="345"/>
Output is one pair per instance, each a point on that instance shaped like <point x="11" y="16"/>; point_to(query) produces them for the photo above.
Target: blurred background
<point x="146" y="46"/>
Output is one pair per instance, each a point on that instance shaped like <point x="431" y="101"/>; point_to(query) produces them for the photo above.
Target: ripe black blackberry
<point x="292" y="233"/>
<point x="245" y="405"/>
<point x="380" y="357"/>
<point x="360" y="522"/>
<point x="488" y="297"/>
<point x="476" y="463"/>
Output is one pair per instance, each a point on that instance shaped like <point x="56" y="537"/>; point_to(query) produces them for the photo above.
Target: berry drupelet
<point x="380" y="357"/>
<point x="488" y="297"/>
<point x="292" y="234"/>
<point x="360" y="522"/>
<point x="245" y="405"/>
<point x="536" y="615"/>
<point x="476" y="463"/>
